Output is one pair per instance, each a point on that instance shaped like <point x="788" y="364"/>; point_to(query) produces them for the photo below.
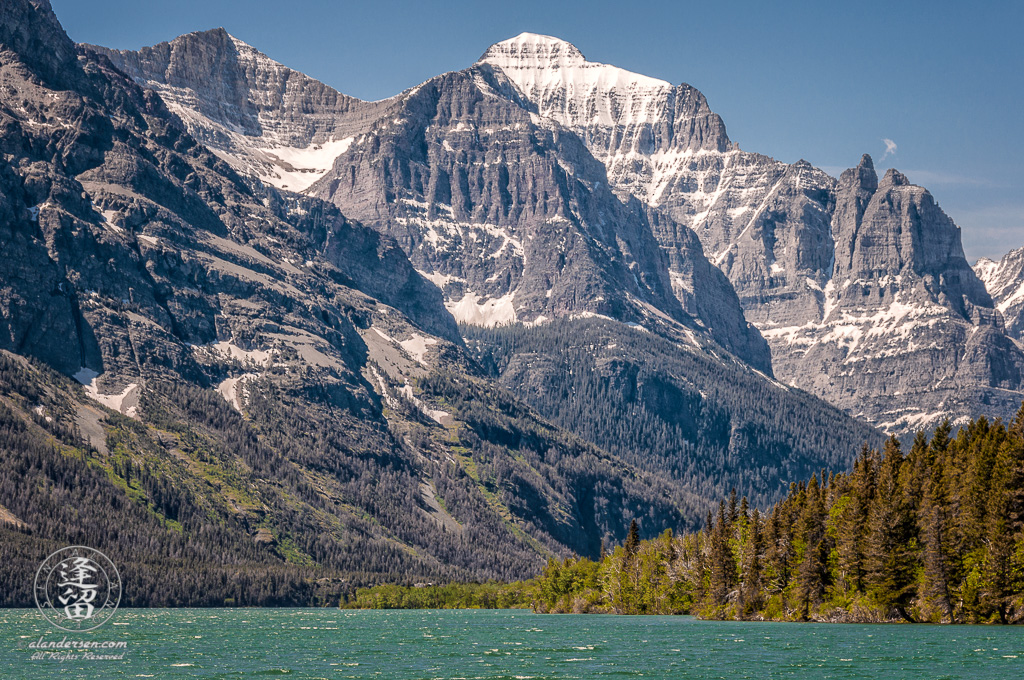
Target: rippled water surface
<point x="317" y="643"/>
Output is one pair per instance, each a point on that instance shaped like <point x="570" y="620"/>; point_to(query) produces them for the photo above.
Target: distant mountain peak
<point x="532" y="60"/>
<point x="528" y="45"/>
<point x="894" y="177"/>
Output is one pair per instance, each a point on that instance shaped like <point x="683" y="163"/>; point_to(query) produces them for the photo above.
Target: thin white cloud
<point x="890" y="148"/>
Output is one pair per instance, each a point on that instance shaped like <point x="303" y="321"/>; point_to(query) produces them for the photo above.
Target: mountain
<point x="535" y="227"/>
<point x="860" y="287"/>
<point x="513" y="218"/>
<point x="537" y="185"/>
<point x="764" y="223"/>
<point x="263" y="118"/>
<point x="235" y="390"/>
<point x="1004" y="281"/>
<point x="907" y="332"/>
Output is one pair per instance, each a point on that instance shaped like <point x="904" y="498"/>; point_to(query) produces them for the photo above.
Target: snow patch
<point x="126" y="402"/>
<point x="488" y="312"/>
<point x="296" y="168"/>
<point x="440" y="280"/>
<point x="232" y="351"/>
<point x="416" y="347"/>
<point x="232" y="390"/>
<point x="436" y="415"/>
<point x="108" y="217"/>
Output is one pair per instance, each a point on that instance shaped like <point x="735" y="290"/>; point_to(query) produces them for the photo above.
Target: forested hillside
<point x="200" y="505"/>
<point x="224" y="385"/>
<point x="708" y="423"/>
<point x="935" y="534"/>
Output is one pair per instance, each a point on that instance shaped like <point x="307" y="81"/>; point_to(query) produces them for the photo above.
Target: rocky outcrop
<point x="262" y="117"/>
<point x="907" y="334"/>
<point x="1004" y="281"/>
<point x="860" y="287"/>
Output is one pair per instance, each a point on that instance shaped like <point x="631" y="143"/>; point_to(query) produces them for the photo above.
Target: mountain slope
<point x="1004" y="281"/>
<point x="926" y="345"/>
<point x="907" y="333"/>
<point x="258" y="373"/>
<point x="711" y="425"/>
<point x="513" y="217"/>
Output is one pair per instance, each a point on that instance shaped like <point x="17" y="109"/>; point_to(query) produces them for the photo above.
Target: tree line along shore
<point x="932" y="534"/>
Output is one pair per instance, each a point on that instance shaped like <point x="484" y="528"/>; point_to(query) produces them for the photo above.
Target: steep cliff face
<point x="765" y="224"/>
<point x="282" y="371"/>
<point x="516" y="221"/>
<point x="801" y="250"/>
<point x="907" y="333"/>
<point x="1004" y="281"/>
<point x="263" y="118"/>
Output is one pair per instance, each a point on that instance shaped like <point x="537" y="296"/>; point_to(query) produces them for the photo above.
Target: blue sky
<point x="822" y="81"/>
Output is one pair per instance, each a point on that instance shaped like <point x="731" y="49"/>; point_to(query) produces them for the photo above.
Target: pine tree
<point x="890" y="567"/>
<point x="751" y="571"/>
<point x="811" y="569"/>
<point x="999" y="580"/>
<point x="632" y="543"/>
<point x="852" y="520"/>
<point x="932" y="519"/>
<point x="734" y="514"/>
<point x="721" y="577"/>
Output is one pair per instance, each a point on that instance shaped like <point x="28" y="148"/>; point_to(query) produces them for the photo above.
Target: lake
<point x="395" y="645"/>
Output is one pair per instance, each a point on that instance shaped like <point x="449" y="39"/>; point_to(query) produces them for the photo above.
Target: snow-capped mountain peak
<point x="641" y="128"/>
<point x="540" y="63"/>
<point x="260" y="116"/>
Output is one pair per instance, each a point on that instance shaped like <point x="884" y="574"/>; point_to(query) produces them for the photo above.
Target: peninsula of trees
<point x="935" y="534"/>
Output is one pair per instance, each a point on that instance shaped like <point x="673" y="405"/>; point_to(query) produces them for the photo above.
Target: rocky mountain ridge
<point x="467" y="234"/>
<point x="460" y="170"/>
<point x="258" y="381"/>
<point x="1004" y="281"/>
<point x="278" y="124"/>
<point x="861" y="288"/>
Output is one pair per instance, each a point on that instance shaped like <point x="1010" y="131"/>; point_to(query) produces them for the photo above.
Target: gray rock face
<point x="516" y="222"/>
<point x="860" y="287"/>
<point x="262" y="117"/>
<point x="1004" y="281"/>
<point x="763" y="223"/>
<point x="907" y="335"/>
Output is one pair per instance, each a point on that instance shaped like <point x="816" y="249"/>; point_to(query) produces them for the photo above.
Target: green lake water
<point x="317" y="643"/>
